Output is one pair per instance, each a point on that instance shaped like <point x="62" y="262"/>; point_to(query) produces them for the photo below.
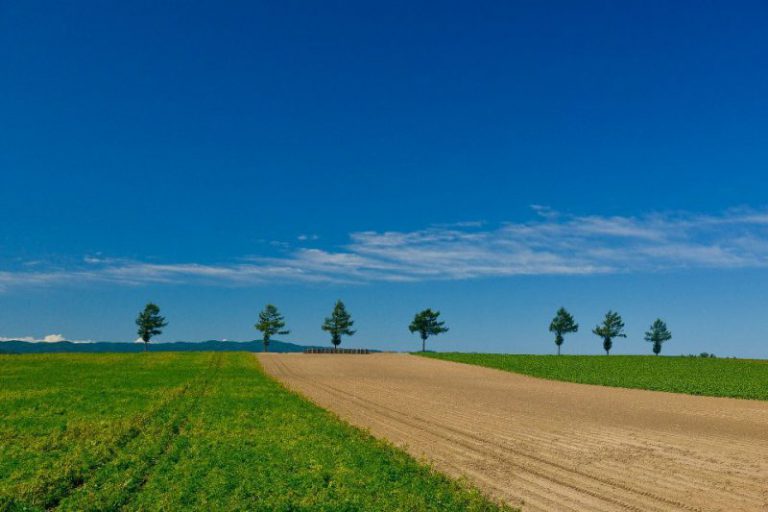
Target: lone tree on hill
<point x="658" y="335"/>
<point x="612" y="327"/>
<point x="150" y="323"/>
<point x="338" y="324"/>
<point x="563" y="323"/>
<point x="426" y="324"/>
<point x="271" y="323"/>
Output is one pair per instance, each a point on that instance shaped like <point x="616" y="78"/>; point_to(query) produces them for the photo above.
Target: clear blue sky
<point x="491" y="160"/>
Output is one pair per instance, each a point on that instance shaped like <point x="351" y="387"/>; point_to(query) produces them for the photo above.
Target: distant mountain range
<point x="26" y="347"/>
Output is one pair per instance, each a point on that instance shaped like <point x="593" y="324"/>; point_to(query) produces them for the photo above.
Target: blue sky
<point x="494" y="161"/>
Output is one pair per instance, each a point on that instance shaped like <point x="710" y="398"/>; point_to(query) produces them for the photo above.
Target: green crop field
<point x="738" y="378"/>
<point x="192" y="431"/>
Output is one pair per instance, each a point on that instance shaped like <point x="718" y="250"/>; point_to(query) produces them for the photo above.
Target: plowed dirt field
<point x="545" y="445"/>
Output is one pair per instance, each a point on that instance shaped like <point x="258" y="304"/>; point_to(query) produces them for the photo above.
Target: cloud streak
<point x="552" y="244"/>
<point x="50" y="338"/>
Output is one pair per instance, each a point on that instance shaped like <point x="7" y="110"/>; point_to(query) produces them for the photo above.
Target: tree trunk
<point x="145" y="346"/>
<point x="423" y="344"/>
<point x="558" y="350"/>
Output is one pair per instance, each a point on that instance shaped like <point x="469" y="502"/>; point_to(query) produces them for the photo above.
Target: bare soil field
<point x="545" y="445"/>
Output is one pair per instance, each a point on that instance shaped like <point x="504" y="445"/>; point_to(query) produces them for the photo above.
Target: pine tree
<point x="426" y="324"/>
<point x="271" y="323"/>
<point x="150" y="323"/>
<point x="612" y="327"/>
<point x="338" y="324"/>
<point x="563" y="323"/>
<point x="658" y="335"/>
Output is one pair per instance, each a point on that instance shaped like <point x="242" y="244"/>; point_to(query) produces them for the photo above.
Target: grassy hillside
<point x="191" y="431"/>
<point x="739" y="378"/>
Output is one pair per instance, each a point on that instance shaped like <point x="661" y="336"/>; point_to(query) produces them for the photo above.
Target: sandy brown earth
<point x="546" y="445"/>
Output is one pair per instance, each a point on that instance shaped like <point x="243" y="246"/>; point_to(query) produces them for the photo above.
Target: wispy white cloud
<point x="50" y="338"/>
<point x="545" y="211"/>
<point x="552" y="244"/>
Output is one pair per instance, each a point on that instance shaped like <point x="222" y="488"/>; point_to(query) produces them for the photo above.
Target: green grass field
<point x="738" y="378"/>
<point x="199" y="431"/>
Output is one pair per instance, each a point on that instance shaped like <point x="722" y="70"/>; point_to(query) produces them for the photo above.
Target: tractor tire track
<point x="62" y="486"/>
<point x="140" y="459"/>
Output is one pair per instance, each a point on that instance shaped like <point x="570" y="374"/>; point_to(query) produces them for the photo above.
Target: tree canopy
<point x="426" y="324"/>
<point x="338" y="324"/>
<point x="657" y="335"/>
<point x="612" y="327"/>
<point x="270" y="323"/>
<point x="562" y="324"/>
<point x="150" y="323"/>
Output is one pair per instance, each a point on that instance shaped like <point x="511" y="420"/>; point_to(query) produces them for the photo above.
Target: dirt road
<point x="545" y="445"/>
